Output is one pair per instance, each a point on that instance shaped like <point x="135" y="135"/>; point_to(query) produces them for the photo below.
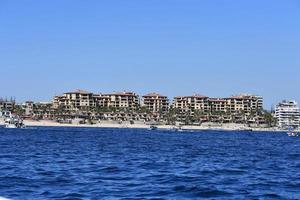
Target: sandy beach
<point x="113" y="124"/>
<point x="140" y="125"/>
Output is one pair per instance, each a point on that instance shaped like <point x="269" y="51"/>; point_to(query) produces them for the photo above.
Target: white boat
<point x="293" y="134"/>
<point x="13" y="123"/>
<point x="153" y="128"/>
<point x="176" y="129"/>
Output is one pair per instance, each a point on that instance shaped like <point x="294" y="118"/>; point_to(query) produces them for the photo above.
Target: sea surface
<point x="92" y="163"/>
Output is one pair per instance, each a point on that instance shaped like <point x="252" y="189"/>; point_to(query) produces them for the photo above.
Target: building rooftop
<point x="194" y="95"/>
<point x="198" y="96"/>
<point x="242" y="96"/>
<point x="154" y="94"/>
<point x="287" y="103"/>
<point x="217" y="99"/>
<point x="124" y="93"/>
<point x="78" y="91"/>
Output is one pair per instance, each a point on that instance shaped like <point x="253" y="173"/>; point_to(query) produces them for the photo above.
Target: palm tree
<point x="269" y="119"/>
<point x="198" y="114"/>
<point x="171" y="116"/>
<point x="143" y="109"/>
<point x="18" y="110"/>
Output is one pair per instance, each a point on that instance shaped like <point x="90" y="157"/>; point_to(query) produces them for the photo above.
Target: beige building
<point x="83" y="100"/>
<point x="245" y="103"/>
<point x="191" y="103"/>
<point x="217" y="105"/>
<point x="155" y="102"/>
<point x="128" y="100"/>
<point x="28" y="107"/>
<point x="75" y="101"/>
<point x="101" y="100"/>
<point x="6" y="105"/>
<point x="240" y="103"/>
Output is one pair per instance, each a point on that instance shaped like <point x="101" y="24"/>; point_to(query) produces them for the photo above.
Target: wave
<point x="3" y="198"/>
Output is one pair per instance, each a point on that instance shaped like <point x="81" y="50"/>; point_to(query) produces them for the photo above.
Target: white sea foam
<point x="3" y="198"/>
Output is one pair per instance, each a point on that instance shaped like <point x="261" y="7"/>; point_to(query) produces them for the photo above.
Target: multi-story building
<point x="191" y="103"/>
<point x="217" y="105"/>
<point x="28" y="107"/>
<point x="244" y="103"/>
<point x="240" y="103"/>
<point x="75" y="101"/>
<point x="288" y="114"/>
<point x="101" y="100"/>
<point x="5" y="113"/>
<point x="127" y="100"/>
<point x="180" y="102"/>
<point x="7" y="105"/>
<point x="82" y="100"/>
<point x="155" y="103"/>
<point x="39" y="110"/>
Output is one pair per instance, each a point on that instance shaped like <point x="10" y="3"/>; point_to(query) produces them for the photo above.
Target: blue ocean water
<point x="91" y="163"/>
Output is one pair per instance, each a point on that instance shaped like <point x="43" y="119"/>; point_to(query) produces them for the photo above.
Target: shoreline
<point x="112" y="124"/>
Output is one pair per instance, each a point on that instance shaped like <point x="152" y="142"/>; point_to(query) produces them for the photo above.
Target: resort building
<point x="83" y="100"/>
<point x="128" y="100"/>
<point x="288" y="114"/>
<point x="217" y="105"/>
<point x="75" y="101"/>
<point x="5" y="114"/>
<point x="28" y="107"/>
<point x="79" y="100"/>
<point x="191" y="103"/>
<point x="101" y="100"/>
<point x="39" y="110"/>
<point x="245" y="103"/>
<point x="7" y="105"/>
<point x="155" y="103"/>
<point x="240" y="103"/>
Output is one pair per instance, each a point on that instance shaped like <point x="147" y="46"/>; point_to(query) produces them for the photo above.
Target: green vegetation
<point x="171" y="117"/>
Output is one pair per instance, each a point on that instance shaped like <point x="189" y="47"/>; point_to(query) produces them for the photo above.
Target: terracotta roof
<point x="194" y="95"/>
<point x="199" y="96"/>
<point x="154" y="94"/>
<point x="122" y="93"/>
<point x="242" y="96"/>
<point x="78" y="91"/>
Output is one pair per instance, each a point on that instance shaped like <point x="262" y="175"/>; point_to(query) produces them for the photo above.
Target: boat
<point x="153" y="128"/>
<point x="13" y="122"/>
<point x="245" y="129"/>
<point x="176" y="129"/>
<point x="293" y="134"/>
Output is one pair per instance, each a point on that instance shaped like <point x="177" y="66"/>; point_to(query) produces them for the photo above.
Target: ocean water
<point x="90" y="163"/>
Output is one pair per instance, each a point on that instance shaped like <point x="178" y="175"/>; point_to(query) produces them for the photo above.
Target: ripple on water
<point x="204" y="192"/>
<point x="82" y="163"/>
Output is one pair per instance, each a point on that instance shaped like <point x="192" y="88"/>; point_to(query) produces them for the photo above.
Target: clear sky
<point x="174" y="47"/>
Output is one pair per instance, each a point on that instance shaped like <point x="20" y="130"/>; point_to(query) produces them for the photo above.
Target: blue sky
<point x="174" y="47"/>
